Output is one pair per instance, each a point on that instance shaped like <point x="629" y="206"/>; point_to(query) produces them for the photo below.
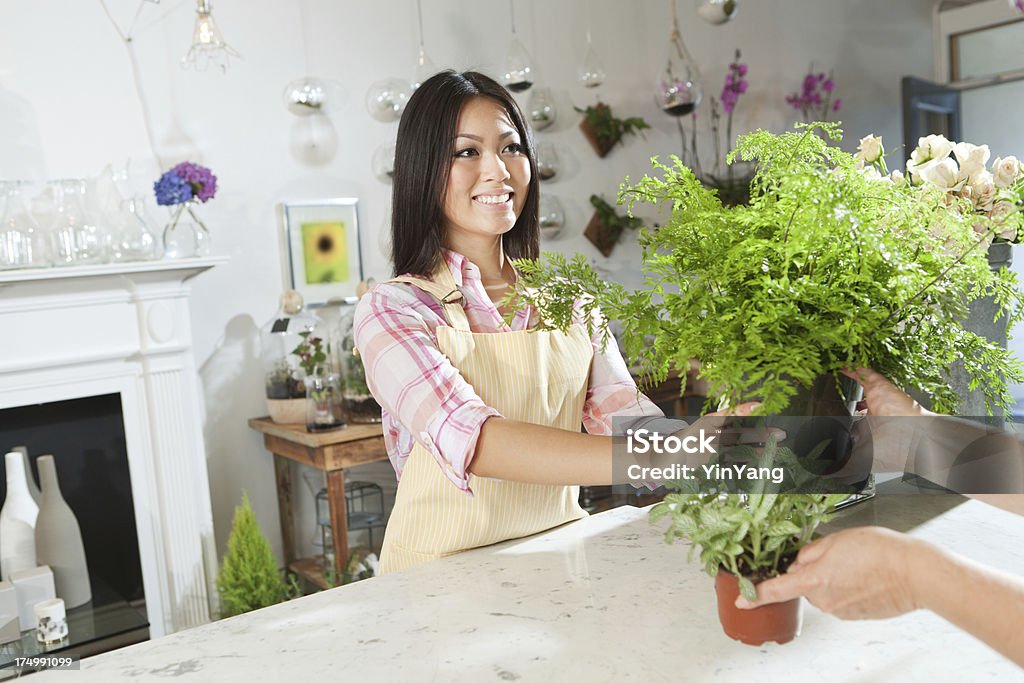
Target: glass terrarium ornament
<point x="678" y="86"/>
<point x="518" y="75"/>
<point x="22" y="243"/>
<point x="283" y="377"/>
<point x="360" y="406"/>
<point x="551" y="216"/>
<point x="717" y="12"/>
<point x="541" y="108"/>
<point x="383" y="163"/>
<point x="386" y="99"/>
<point x="305" y="96"/>
<point x="591" y="72"/>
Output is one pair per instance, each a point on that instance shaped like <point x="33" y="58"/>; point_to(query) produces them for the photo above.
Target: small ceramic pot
<point x="779" y="622"/>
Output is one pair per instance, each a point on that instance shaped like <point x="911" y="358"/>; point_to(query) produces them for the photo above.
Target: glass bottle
<point x="324" y="409"/>
<point x="131" y="238"/>
<point x="591" y="72"/>
<point x="283" y="376"/>
<point x="22" y="243"/>
<point x="360" y="406"/>
<point x="77" y="238"/>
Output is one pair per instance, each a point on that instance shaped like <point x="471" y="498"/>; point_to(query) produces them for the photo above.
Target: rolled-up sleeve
<point x="415" y="383"/>
<point x="613" y="393"/>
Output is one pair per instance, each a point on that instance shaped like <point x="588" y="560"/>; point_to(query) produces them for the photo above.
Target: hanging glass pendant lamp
<point x="678" y="85"/>
<point x="208" y="45"/>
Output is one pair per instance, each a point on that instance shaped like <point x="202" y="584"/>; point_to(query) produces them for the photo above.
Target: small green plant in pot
<point x="749" y="530"/>
<point x="604" y="130"/>
<point x="606" y="226"/>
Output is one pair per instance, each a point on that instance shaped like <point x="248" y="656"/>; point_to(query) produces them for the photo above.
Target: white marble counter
<point x="601" y="599"/>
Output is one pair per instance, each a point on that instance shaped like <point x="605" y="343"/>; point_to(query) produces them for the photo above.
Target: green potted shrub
<point x="603" y="130"/>
<point x="831" y="265"/>
<point x="249" y="578"/>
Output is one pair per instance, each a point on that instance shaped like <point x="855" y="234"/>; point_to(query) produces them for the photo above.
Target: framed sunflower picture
<point x="324" y="257"/>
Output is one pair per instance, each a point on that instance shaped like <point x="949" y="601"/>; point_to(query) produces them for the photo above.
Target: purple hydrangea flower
<point x="185" y="182"/>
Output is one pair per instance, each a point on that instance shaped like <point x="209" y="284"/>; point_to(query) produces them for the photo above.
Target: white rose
<point x="1002" y="214"/>
<point x="972" y="158"/>
<point x="1006" y="171"/>
<point x="871" y="173"/>
<point x="870" y="149"/>
<point x="943" y="174"/>
<point x="930" y="150"/>
<point x="983" y="191"/>
<point x="896" y="176"/>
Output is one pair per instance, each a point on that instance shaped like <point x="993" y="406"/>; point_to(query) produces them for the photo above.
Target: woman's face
<point x="490" y="173"/>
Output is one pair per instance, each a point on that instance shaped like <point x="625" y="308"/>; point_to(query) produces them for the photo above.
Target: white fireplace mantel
<point x="76" y="332"/>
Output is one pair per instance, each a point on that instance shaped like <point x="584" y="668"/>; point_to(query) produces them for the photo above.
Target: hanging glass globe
<point x="305" y="96"/>
<point x="717" y="12"/>
<point x="386" y="99"/>
<point x="678" y="86"/>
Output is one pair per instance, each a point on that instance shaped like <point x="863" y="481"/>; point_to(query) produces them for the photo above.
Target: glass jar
<point x="324" y="410"/>
<point x="130" y="237"/>
<point x="77" y="238"/>
<point x="22" y="243"/>
<point x="185" y="236"/>
<point x="541" y="109"/>
<point x="360" y="406"/>
<point x="283" y="376"/>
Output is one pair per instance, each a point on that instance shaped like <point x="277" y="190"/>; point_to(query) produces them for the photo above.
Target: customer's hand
<point x="885" y="399"/>
<point x="862" y="573"/>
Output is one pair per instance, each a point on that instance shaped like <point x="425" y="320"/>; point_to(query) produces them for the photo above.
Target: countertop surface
<point x="600" y="599"/>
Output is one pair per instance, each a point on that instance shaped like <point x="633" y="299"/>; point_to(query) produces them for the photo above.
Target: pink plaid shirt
<point x="423" y="396"/>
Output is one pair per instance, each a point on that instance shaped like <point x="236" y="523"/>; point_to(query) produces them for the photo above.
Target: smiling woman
<point x="481" y="419"/>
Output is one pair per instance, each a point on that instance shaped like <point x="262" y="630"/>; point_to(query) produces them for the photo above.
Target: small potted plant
<point x="743" y="540"/>
<point x="606" y="225"/>
<point x="324" y="409"/>
<point x="603" y="130"/>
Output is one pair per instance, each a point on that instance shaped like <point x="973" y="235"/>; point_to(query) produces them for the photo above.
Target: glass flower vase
<point x="324" y="408"/>
<point x="185" y="235"/>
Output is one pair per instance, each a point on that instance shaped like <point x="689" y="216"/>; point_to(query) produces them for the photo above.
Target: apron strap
<point x="444" y="290"/>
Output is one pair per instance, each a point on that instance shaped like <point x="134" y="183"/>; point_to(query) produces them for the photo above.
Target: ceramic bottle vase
<point x="17" y="520"/>
<point x="59" y="539"/>
<point x="33" y="488"/>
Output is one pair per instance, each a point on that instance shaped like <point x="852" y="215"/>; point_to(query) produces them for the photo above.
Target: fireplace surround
<point x="68" y="333"/>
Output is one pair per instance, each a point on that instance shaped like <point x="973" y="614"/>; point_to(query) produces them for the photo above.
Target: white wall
<point x="68" y="72"/>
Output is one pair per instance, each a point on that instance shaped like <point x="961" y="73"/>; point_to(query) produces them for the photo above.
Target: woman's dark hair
<point x="423" y="159"/>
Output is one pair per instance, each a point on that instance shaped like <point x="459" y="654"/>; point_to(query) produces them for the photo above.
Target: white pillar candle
<point x="51" y="621"/>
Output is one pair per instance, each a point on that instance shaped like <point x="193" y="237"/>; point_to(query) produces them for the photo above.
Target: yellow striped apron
<point x="538" y="377"/>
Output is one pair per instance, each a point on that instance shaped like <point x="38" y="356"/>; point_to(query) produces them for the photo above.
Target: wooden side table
<point x="331" y="452"/>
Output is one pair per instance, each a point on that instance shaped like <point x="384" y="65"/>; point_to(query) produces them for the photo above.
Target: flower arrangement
<point x="832" y="265"/>
<point x="1017" y="5"/>
<point x="814" y="101"/>
<point x="185" y="182"/>
<point x="988" y="197"/>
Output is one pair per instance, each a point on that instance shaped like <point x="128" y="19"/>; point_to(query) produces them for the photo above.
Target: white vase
<point x="33" y="488"/>
<point x="59" y="539"/>
<point x="17" y="520"/>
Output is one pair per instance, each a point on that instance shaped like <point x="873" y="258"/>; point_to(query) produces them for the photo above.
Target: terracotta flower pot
<point x="779" y="622"/>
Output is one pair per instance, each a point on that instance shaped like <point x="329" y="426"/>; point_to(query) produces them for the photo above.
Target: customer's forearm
<point x="535" y="454"/>
<point x="987" y="603"/>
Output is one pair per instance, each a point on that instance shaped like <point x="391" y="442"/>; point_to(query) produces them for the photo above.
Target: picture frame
<point x="323" y="246"/>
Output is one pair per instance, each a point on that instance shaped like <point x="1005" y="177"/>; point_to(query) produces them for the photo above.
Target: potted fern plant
<point x="831" y="265"/>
